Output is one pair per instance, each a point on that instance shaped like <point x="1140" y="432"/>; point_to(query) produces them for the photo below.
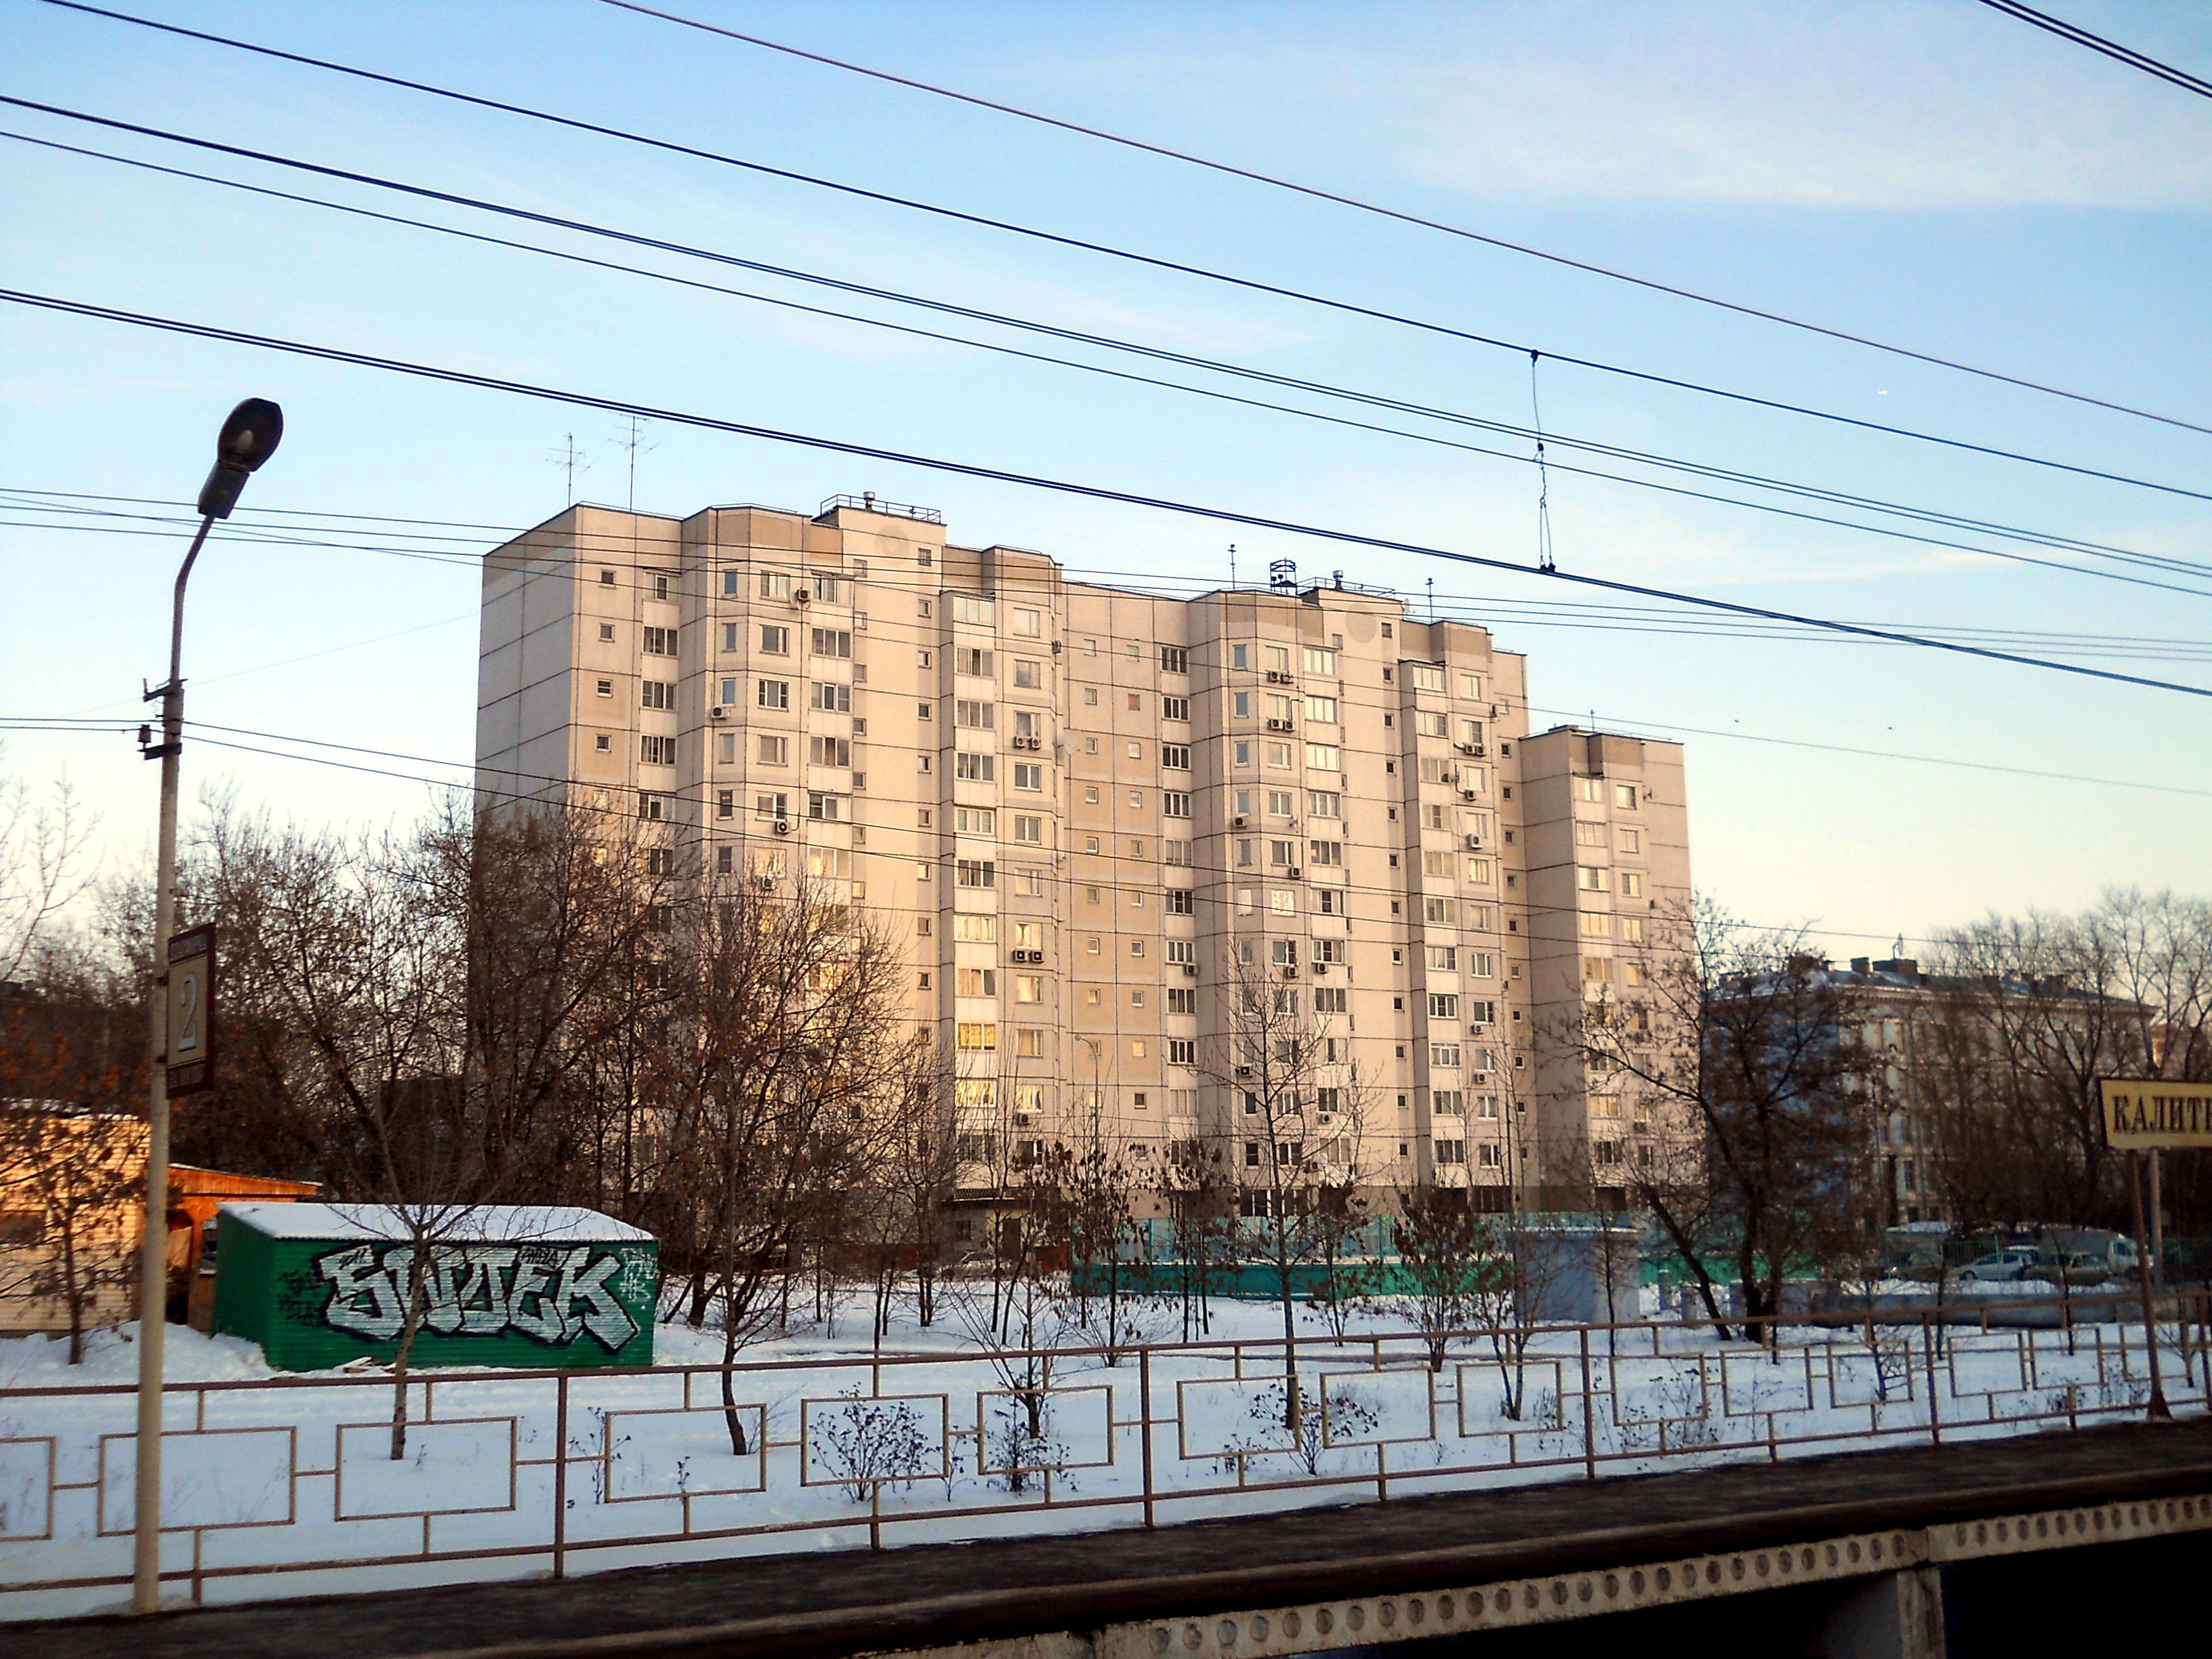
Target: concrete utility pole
<point x="249" y="437"/>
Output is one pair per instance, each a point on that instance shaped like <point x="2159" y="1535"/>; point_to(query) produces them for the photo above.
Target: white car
<point x="2001" y="1266"/>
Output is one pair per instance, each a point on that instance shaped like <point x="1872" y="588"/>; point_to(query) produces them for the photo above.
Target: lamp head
<point x="249" y="437"/>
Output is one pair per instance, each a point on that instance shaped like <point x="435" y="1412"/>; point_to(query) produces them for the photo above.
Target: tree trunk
<point x="731" y="1419"/>
<point x="409" y="1326"/>
<point x="73" y="1299"/>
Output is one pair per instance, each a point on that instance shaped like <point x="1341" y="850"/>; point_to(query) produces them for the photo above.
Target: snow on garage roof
<point x="490" y="1224"/>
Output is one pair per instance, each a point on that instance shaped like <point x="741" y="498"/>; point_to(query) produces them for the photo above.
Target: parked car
<point x="2003" y="1267"/>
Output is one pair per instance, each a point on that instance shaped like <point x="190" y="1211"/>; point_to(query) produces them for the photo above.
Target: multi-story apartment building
<point x="1080" y="805"/>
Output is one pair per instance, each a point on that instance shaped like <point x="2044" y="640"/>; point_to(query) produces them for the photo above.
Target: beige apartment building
<point x="1080" y="805"/>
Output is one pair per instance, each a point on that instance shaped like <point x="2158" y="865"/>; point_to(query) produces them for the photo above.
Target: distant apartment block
<point x="1080" y="803"/>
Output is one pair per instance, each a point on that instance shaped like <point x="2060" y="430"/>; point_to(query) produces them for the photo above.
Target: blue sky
<point x="1934" y="174"/>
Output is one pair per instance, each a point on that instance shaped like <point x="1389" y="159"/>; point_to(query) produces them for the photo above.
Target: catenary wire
<point x="1316" y="193"/>
<point x="2064" y="30"/>
<point x="2159" y="562"/>
<point x="1152" y="261"/>
<point x="1091" y="492"/>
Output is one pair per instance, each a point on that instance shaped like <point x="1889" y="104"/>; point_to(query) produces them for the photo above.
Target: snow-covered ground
<point x="276" y="1484"/>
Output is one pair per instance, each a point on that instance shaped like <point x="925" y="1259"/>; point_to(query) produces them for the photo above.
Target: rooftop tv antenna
<point x="571" y="459"/>
<point x="637" y="425"/>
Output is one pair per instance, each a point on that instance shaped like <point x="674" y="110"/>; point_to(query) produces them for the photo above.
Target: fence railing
<point x="287" y="1487"/>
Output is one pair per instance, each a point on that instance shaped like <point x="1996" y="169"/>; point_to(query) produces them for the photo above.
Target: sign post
<point x="191" y="1027"/>
<point x="2146" y="1115"/>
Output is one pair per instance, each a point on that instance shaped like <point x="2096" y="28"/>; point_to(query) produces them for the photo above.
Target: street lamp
<point x="248" y="437"/>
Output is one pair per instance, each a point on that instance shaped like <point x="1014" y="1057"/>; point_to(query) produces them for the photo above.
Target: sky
<point x="1936" y="175"/>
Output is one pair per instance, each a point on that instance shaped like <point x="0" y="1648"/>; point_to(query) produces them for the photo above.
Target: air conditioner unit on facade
<point x="1279" y="726"/>
<point x="1289" y="972"/>
<point x="1473" y="843"/>
<point x="1190" y="969"/>
<point x="1243" y="1070"/>
<point x="1319" y="968"/>
<point x="1237" y="822"/>
<point x="800" y="596"/>
<point x="1293" y="873"/>
<point x="1466" y="794"/>
<point x="1464" y="748"/>
<point x="783" y="826"/>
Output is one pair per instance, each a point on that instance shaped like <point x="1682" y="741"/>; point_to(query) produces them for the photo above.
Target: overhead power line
<point x="266" y="530"/>
<point x="1275" y="181"/>
<point x="2162" y="563"/>
<point x="2064" y="30"/>
<point x="1089" y="492"/>
<point x="702" y="797"/>
<point x="1248" y="284"/>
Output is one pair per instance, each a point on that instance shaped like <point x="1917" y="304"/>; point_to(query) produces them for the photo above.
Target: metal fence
<point x="287" y="1486"/>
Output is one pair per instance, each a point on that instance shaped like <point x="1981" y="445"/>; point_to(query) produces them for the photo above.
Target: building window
<point x="1591" y="879"/>
<point x="830" y="697"/>
<point x="972" y="660"/>
<point x="768" y="806"/>
<point x="967" y="608"/>
<point x="1175" y="709"/>
<point x="656" y="694"/>
<point x="775" y="641"/>
<point x="606" y="579"/>
<point x="1589" y="835"/>
<point x="1028" y="829"/>
<point x="659" y="641"/>
<point x="1445" y="1054"/>
<point x="1323" y="757"/>
<point x="1175" y="659"/>
<point x="604" y="744"/>
<point x="975" y="769"/>
<point x="652" y="807"/>
<point x="977" y="1034"/>
<point x="1028" y="775"/>
<point x="774" y="694"/>
<point x="1632" y="884"/>
<point x="657" y="752"/>
<point x="829" y="808"/>
<point x="1320" y="708"/>
<point x="974" y="716"/>
<point x="829" y="751"/>
<point x="977" y="872"/>
<point x="830" y="641"/>
<point x="1597" y="969"/>
<point x="1027" y="623"/>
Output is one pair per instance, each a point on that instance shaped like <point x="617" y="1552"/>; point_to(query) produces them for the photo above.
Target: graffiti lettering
<point x="480" y="1290"/>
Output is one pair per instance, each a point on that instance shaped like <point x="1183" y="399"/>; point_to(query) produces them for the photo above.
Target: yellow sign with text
<point x="2141" y="1113"/>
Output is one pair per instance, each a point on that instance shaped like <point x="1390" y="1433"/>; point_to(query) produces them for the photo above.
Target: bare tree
<point x="46" y="864"/>
<point x="1734" y="1057"/>
<point x="776" y="1080"/>
<point x="1298" y="1113"/>
<point x="418" y="1002"/>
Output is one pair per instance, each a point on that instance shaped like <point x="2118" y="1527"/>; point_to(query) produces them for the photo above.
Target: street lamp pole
<point x="249" y="437"/>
